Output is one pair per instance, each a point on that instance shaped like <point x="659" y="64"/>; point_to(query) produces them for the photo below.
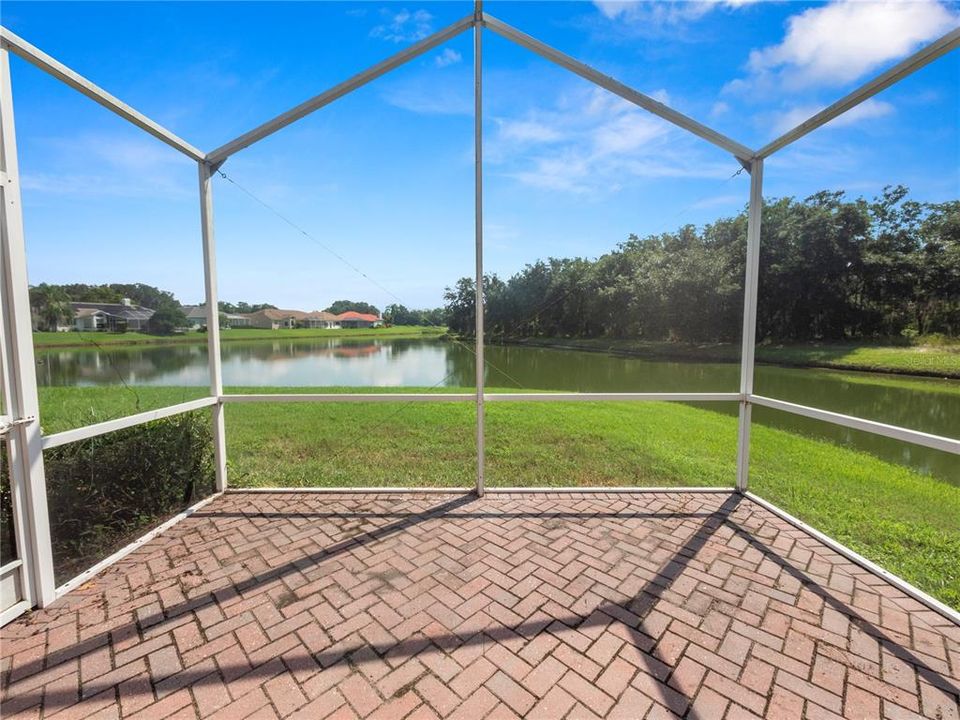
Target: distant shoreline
<point x="914" y="360"/>
<point x="76" y="340"/>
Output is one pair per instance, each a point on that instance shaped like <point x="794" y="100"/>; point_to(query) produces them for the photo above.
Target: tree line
<point x="51" y="306"/>
<point x="830" y="269"/>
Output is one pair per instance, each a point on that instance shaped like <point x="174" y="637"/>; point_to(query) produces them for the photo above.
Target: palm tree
<point x="51" y="304"/>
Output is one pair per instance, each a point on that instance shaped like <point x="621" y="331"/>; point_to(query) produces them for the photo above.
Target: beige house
<point x="271" y="319"/>
<point x="320" y="319"/>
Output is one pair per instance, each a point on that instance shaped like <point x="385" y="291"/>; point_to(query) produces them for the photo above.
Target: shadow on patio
<point x="521" y="605"/>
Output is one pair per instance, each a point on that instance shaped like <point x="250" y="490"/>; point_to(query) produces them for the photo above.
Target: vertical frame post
<point x="478" y="230"/>
<point x="749" y="339"/>
<point x="27" y="479"/>
<point x="213" y="322"/>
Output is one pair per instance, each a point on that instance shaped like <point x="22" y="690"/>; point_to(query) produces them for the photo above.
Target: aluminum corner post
<point x="213" y="322"/>
<point x="478" y="234"/>
<point x="27" y="477"/>
<point x="749" y="340"/>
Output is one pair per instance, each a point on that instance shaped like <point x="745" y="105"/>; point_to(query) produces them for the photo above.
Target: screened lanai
<point x="471" y="600"/>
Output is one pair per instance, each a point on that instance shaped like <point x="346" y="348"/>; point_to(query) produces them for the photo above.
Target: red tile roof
<point x="352" y="315"/>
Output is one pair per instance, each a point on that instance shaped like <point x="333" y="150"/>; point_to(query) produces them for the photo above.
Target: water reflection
<point x="923" y="404"/>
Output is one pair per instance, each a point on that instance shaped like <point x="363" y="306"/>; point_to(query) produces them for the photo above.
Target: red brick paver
<point x="526" y="605"/>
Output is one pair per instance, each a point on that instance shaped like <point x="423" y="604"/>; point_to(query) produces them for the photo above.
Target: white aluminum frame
<point x="479" y="303"/>
<point x="22" y="419"/>
<point x="27" y="480"/>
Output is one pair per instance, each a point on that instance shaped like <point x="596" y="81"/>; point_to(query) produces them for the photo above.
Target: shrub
<point x="104" y="491"/>
<point x="8" y="550"/>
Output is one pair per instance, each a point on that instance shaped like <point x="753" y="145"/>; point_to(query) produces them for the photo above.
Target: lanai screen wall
<point x="29" y="580"/>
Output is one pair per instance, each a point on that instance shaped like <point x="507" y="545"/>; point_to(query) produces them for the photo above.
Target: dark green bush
<point x="8" y="549"/>
<point x="105" y="491"/>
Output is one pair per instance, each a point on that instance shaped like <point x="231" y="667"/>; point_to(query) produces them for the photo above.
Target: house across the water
<point x="272" y="319"/>
<point x="197" y="317"/>
<point x="115" y="317"/>
<point x="351" y="319"/>
<point x="320" y="319"/>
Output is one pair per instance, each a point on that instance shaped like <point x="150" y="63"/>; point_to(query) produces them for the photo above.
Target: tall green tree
<point x="342" y="306"/>
<point x="830" y="268"/>
<point x="50" y="305"/>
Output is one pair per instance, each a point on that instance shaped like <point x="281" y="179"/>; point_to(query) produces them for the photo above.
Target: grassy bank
<point x="934" y="360"/>
<point x="907" y="522"/>
<point x="42" y="340"/>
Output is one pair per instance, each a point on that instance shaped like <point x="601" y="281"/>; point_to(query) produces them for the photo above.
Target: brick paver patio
<point x="536" y="606"/>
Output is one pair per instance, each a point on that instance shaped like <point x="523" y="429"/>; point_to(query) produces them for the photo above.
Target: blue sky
<point x="385" y="176"/>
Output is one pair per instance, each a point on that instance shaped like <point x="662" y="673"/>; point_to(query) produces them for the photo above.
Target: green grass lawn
<point x="938" y="360"/>
<point x="905" y="521"/>
<point x="43" y="340"/>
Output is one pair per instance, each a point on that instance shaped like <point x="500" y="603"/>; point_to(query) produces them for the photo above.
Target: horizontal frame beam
<point x="895" y="580"/>
<point x="612" y="397"/>
<point x="347" y="397"/>
<point x="10" y="567"/>
<point x="740" y="151"/>
<point x="488" y="397"/>
<point x="220" y="155"/>
<point x="924" y="56"/>
<point x="600" y="490"/>
<point x="355" y="491"/>
<point x="14" y="611"/>
<point x="89" y="431"/>
<point x="469" y="490"/>
<point x="937" y="442"/>
<point x="61" y="72"/>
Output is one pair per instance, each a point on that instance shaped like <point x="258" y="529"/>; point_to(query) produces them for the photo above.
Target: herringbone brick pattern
<point x="535" y="606"/>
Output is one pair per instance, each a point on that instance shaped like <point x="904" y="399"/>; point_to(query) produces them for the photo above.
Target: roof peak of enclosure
<point x="216" y="157"/>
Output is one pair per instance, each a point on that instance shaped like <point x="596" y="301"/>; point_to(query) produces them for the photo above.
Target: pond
<point x="929" y="405"/>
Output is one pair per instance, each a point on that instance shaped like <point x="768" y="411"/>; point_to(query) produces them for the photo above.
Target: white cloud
<point x="838" y="43"/>
<point x="592" y="142"/>
<point x="719" y="109"/>
<point x="660" y="95"/>
<point x="403" y="26"/>
<point x="867" y="110"/>
<point x="528" y="131"/>
<point x="718" y="201"/>
<point x="450" y="93"/>
<point x="449" y="56"/>
<point x="671" y="12"/>
<point x="110" y="165"/>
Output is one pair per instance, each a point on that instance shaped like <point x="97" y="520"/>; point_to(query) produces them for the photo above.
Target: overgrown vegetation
<point x="8" y="543"/>
<point x="830" y="269"/>
<point x="104" y="491"/>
